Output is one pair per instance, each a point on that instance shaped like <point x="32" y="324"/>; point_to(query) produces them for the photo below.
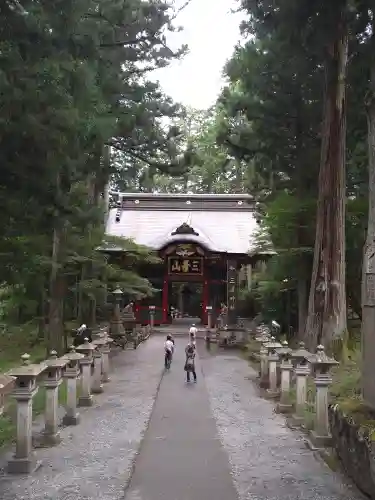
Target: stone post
<point x="106" y="349"/>
<point x="52" y="382"/>
<point x="302" y="371"/>
<point x="103" y="347"/>
<point x="320" y="436"/>
<point x="116" y="324"/>
<point x="152" y="317"/>
<point x="273" y="359"/>
<point x="87" y="349"/>
<point x="71" y="376"/>
<point x="209" y="317"/>
<point x="23" y="461"/>
<point x="263" y="352"/>
<point x="286" y="367"/>
<point x="97" y="386"/>
<point x="271" y="346"/>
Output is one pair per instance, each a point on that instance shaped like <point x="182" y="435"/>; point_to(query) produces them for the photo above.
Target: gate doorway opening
<point x="186" y="298"/>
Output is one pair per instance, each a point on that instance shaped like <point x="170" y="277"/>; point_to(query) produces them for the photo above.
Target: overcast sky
<point x="211" y="31"/>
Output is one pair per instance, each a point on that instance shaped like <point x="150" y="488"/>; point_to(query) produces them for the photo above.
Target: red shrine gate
<point x="195" y="267"/>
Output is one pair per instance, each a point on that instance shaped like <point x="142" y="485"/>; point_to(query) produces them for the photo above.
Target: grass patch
<point x="15" y="341"/>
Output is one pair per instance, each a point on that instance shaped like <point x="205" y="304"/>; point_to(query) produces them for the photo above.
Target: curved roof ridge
<point x="169" y="237"/>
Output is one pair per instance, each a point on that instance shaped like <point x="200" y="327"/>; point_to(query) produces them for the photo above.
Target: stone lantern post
<point x="23" y="461"/>
<point x="72" y="372"/>
<point x="321" y="364"/>
<point x="105" y="359"/>
<point x="116" y="325"/>
<point x="273" y="359"/>
<point x="52" y="381"/>
<point x="270" y="346"/>
<point x="286" y="368"/>
<point x="263" y="353"/>
<point x="97" y="386"/>
<point x="152" y="317"/>
<point x="87" y="349"/>
<point x="263" y="338"/>
<point x="302" y="371"/>
<point x="209" y="317"/>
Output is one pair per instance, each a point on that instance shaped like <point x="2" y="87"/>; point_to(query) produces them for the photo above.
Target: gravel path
<point x="94" y="460"/>
<point x="268" y="460"/>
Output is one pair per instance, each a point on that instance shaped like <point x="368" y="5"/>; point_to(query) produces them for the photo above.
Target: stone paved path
<point x="181" y="457"/>
<point x="248" y="455"/>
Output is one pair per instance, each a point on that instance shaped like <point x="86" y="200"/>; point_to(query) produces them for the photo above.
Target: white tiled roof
<point x="221" y="231"/>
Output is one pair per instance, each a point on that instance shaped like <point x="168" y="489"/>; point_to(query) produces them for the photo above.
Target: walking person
<point x="190" y="362"/>
<point x="169" y="350"/>
<point x="193" y="333"/>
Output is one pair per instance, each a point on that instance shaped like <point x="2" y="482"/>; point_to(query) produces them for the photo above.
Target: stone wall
<point x="354" y="446"/>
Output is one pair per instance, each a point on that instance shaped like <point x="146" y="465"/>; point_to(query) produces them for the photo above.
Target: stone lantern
<point x="152" y="316"/>
<point x="272" y="359"/>
<point x="97" y="386"/>
<point x="23" y="461"/>
<point x="209" y="318"/>
<point x="321" y="366"/>
<point x="52" y="380"/>
<point x="268" y="346"/>
<point x="72" y="372"/>
<point x="87" y="349"/>
<point x="116" y="326"/>
<point x="302" y="370"/>
<point x="272" y="344"/>
<point x="300" y="356"/>
<point x="286" y="368"/>
<point x="105" y="358"/>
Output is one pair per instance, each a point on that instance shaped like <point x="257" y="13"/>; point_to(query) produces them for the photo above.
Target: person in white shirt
<point x="193" y="333"/>
<point x="169" y="349"/>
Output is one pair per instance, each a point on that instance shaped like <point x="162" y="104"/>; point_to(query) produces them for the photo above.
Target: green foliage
<point x="74" y="81"/>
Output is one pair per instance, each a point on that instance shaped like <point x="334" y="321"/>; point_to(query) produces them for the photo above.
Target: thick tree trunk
<point x="302" y="305"/>
<point x="326" y="319"/>
<point x="88" y="266"/>
<point x="57" y="291"/>
<point x="368" y="274"/>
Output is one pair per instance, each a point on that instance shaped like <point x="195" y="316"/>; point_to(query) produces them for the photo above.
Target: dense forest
<point x="294" y="126"/>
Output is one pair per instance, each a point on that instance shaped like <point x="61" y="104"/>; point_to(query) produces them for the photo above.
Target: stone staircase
<point x="178" y="330"/>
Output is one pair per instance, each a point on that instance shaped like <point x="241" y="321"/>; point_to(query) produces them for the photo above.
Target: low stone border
<point x="354" y="448"/>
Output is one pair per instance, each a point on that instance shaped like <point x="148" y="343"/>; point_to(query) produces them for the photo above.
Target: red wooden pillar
<point x="164" y="300"/>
